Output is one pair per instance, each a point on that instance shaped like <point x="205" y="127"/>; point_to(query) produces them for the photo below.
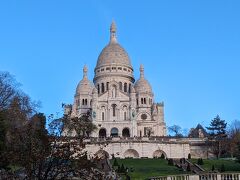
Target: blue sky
<point x="190" y="51"/>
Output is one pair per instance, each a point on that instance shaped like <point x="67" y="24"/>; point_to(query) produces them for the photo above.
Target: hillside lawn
<point x="145" y="168"/>
<point x="230" y="165"/>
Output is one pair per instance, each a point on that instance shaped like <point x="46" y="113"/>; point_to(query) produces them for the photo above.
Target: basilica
<point x="120" y="105"/>
<point x="129" y="122"/>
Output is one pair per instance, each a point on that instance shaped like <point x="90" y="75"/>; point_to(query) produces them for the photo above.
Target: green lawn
<point x="230" y="165"/>
<point x="144" y="168"/>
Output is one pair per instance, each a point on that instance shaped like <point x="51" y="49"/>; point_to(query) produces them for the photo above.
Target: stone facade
<point x="129" y="122"/>
<point x="119" y="105"/>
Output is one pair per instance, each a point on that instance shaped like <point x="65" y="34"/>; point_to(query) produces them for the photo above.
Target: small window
<point x="125" y="87"/>
<point x="102" y="69"/>
<point x="119" y="68"/>
<point x="120" y="86"/>
<point x="103" y="88"/>
<point x="108" y="68"/>
<point x="141" y="100"/>
<point x="124" y="69"/>
<point x="103" y="116"/>
<point x="114" y="109"/>
<point x="107" y="86"/>
<point x="125" y="116"/>
<point x="98" y="71"/>
<point x="114" y="68"/>
<point x="86" y="102"/>
<point x="98" y="87"/>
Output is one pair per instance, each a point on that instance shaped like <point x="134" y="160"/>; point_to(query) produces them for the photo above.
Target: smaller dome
<point x="142" y="85"/>
<point x="84" y="86"/>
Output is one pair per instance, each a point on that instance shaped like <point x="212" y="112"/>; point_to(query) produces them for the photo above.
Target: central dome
<point x="113" y="53"/>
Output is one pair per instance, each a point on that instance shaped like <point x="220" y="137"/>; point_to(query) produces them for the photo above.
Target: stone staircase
<point x="188" y="166"/>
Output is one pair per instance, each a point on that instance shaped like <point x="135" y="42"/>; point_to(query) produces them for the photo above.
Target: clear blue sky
<point x="190" y="50"/>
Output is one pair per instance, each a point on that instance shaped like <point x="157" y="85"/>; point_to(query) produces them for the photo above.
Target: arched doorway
<point x="131" y="153"/>
<point x="101" y="154"/>
<point x="159" y="154"/>
<point x="102" y="133"/>
<point x="125" y="132"/>
<point x="114" y="132"/>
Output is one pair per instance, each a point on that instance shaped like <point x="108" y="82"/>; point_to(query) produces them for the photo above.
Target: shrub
<point x="162" y="156"/>
<point x="122" y="169"/>
<point x="222" y="169"/>
<point x="213" y="168"/>
<point x="170" y="162"/>
<point x="115" y="163"/>
<point x="200" y="161"/>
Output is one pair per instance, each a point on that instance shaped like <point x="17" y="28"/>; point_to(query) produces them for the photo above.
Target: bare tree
<point x="234" y="138"/>
<point x="176" y="130"/>
<point x="8" y="89"/>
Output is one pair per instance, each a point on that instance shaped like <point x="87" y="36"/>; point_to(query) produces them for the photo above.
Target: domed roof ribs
<point x="113" y="30"/>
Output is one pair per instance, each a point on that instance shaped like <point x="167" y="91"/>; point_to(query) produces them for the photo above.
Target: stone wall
<point x="148" y="147"/>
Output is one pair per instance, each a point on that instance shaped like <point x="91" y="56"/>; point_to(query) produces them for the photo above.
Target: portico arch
<point x="102" y="133"/>
<point x="102" y="154"/>
<point x="159" y="153"/>
<point x="126" y="132"/>
<point x="131" y="153"/>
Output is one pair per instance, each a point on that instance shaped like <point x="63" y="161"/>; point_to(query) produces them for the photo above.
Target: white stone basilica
<point x="129" y="123"/>
<point x="119" y="105"/>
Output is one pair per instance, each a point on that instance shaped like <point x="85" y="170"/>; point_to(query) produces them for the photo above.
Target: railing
<point x="208" y="176"/>
<point x="137" y="139"/>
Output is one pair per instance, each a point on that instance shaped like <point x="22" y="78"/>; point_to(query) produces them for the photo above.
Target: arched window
<point x="120" y="86"/>
<point x="125" y="132"/>
<point x="125" y="87"/>
<point x="125" y="109"/>
<point x="103" y="116"/>
<point x="114" y="109"/>
<point x="83" y="102"/>
<point x="103" y="88"/>
<point x="137" y="101"/>
<point x="141" y="100"/>
<point x="86" y="102"/>
<point x="114" y="132"/>
<point x="145" y="101"/>
<point x="107" y="86"/>
<point x="129" y="90"/>
<point x="102" y="133"/>
<point x="98" y="88"/>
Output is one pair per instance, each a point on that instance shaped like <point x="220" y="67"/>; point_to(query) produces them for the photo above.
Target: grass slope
<point x="230" y="165"/>
<point x="145" y="168"/>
